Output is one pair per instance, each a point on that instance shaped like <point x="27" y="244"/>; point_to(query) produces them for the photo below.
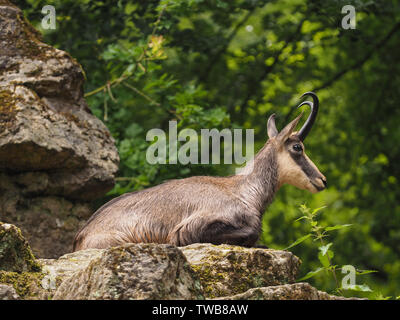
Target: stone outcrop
<point x="55" y="156"/>
<point x="133" y="271"/>
<point x="227" y="270"/>
<point x="153" y="272"/>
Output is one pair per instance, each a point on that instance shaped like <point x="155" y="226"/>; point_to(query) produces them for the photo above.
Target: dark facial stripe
<point x="304" y="164"/>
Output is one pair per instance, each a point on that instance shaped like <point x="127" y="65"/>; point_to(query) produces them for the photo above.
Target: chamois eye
<point x="297" y="147"/>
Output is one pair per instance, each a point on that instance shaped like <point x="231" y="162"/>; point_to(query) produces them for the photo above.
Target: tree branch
<point x="357" y="65"/>
<point x="124" y="77"/>
<point x="225" y="46"/>
<point x="361" y="62"/>
<point x="271" y="67"/>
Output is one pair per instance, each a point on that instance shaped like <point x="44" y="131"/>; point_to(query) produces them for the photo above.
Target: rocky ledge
<point x="151" y="271"/>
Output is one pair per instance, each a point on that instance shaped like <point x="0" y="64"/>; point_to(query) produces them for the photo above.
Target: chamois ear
<point x="271" y="127"/>
<point x="287" y="131"/>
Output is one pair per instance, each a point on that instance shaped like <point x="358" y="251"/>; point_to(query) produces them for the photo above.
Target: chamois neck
<point x="259" y="181"/>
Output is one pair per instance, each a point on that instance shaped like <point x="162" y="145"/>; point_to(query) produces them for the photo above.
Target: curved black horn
<point x="311" y="118"/>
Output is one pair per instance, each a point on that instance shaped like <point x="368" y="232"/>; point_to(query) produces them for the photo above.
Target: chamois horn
<point x="311" y="118"/>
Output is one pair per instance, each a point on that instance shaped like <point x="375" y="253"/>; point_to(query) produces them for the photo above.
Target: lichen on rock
<point x="18" y="266"/>
<point x="152" y="272"/>
<point x="133" y="271"/>
<point x="15" y="253"/>
<point x="7" y="109"/>
<point x="53" y="129"/>
<point x="26" y="284"/>
<point x="227" y="270"/>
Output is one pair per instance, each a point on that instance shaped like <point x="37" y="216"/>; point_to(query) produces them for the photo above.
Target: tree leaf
<point x="325" y="258"/>
<point x="315" y="211"/>
<point x="362" y="272"/>
<point x="338" y="227"/>
<point x="358" y="287"/>
<point x="311" y="274"/>
<point x="301" y="218"/>
<point x="298" y="241"/>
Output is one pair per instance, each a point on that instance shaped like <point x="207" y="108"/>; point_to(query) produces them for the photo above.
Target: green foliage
<point x="219" y="63"/>
<point x="326" y="254"/>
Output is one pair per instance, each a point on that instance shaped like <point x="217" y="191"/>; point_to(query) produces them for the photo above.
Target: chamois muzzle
<point x="320" y="183"/>
<point x="311" y="118"/>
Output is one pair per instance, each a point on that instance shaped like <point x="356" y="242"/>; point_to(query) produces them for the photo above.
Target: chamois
<point x="209" y="209"/>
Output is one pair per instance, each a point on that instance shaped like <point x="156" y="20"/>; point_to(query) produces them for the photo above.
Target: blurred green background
<point x="230" y="64"/>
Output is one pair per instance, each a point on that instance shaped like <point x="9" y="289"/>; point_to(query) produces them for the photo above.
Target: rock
<point x="28" y="285"/>
<point x="152" y="272"/>
<point x="55" y="155"/>
<point x="74" y="147"/>
<point x="45" y="123"/>
<point x="132" y="271"/>
<point x="18" y="267"/>
<point x="70" y="263"/>
<point x="228" y="270"/>
<point x="49" y="223"/>
<point x="296" y="291"/>
<point x="8" y="293"/>
<point x="15" y="253"/>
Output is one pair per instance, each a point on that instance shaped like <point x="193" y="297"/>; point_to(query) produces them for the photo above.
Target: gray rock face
<point x="227" y="270"/>
<point x="45" y="122"/>
<point x="8" y="293"/>
<point x="133" y="271"/>
<point x="49" y="223"/>
<point x="55" y="156"/>
<point x="70" y="263"/>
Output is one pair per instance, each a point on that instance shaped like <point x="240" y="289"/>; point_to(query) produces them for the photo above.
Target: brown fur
<point x="203" y="209"/>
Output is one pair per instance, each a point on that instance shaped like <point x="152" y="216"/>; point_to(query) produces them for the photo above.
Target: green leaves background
<point x="206" y="68"/>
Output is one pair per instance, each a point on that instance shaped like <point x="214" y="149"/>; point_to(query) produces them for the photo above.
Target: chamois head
<point x="294" y="167"/>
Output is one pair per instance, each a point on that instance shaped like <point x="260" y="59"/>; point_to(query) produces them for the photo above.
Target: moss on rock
<point x="228" y="270"/>
<point x="26" y="284"/>
<point x="7" y="110"/>
<point x="15" y="253"/>
<point x="132" y="271"/>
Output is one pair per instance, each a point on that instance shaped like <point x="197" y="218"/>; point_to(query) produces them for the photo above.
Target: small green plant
<point x="326" y="254"/>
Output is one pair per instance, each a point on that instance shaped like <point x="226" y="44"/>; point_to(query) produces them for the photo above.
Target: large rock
<point x="151" y="271"/>
<point x="73" y="147"/>
<point x="296" y="291"/>
<point x="55" y="156"/>
<point x="45" y="124"/>
<point x="227" y="270"/>
<point x="133" y="271"/>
